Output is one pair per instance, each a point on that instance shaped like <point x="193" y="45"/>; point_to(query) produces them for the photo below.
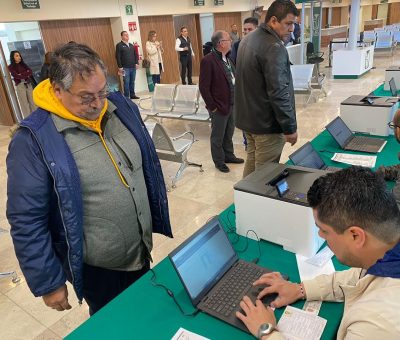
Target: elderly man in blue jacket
<point x="85" y="187"/>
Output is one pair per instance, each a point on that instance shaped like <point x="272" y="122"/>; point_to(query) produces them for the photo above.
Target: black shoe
<point x="135" y="97"/>
<point x="235" y="160"/>
<point x="222" y="167"/>
<point x="192" y="84"/>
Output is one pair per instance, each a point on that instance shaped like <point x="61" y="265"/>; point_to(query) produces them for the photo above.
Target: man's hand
<point x="255" y="315"/>
<point x="121" y="72"/>
<point x="186" y="48"/>
<point x="288" y="292"/>
<point x="292" y="139"/>
<point x="58" y="299"/>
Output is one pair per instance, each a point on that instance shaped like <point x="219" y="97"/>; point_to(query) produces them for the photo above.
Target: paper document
<point x="308" y="271"/>
<point x="296" y="324"/>
<point x="312" y="307"/>
<point x="183" y="334"/>
<point x="361" y="160"/>
<point x="321" y="258"/>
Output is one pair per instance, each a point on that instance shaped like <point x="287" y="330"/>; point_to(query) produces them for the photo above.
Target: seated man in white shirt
<point x="360" y="221"/>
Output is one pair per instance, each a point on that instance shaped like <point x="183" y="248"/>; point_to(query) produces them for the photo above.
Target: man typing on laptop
<point x="360" y="221"/>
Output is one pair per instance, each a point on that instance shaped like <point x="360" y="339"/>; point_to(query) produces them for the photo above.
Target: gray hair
<point x="71" y="60"/>
<point x="216" y="37"/>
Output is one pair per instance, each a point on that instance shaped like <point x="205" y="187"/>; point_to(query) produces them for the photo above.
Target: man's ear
<point x="57" y="90"/>
<point x="357" y="235"/>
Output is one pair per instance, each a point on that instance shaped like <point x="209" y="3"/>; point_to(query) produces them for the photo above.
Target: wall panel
<point x="95" y="33"/>
<point x="164" y="26"/>
<point x="223" y="21"/>
<point x="394" y="13"/>
<point x="336" y="16"/>
<point x="6" y="115"/>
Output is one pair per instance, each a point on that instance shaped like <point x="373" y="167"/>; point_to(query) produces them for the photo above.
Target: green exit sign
<point x="218" y="2"/>
<point x="199" y="2"/>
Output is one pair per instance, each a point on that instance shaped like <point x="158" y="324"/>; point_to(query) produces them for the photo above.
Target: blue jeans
<point x="156" y="78"/>
<point x="129" y="81"/>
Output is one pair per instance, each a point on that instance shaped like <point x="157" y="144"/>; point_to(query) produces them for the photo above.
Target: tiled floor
<point x="198" y="196"/>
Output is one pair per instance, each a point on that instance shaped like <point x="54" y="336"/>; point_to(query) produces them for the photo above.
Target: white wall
<point x="11" y="10"/>
<point x="383" y="12"/>
<point x="206" y="27"/>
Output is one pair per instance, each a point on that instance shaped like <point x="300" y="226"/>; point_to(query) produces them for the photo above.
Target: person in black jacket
<point x="128" y="61"/>
<point x="264" y="96"/>
<point x="185" y="49"/>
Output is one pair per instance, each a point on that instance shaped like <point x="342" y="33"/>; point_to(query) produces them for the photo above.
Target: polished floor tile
<point x="197" y="198"/>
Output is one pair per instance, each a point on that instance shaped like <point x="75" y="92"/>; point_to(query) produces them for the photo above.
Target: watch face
<point x="265" y="329"/>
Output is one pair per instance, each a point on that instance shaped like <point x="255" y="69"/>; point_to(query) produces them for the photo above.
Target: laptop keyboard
<point x="227" y="297"/>
<point x="364" y="143"/>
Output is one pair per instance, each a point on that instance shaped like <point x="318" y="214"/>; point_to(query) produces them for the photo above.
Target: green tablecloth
<point x="379" y="91"/>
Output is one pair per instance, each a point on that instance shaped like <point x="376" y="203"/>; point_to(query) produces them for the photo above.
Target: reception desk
<point x="327" y="34"/>
<point x="351" y="64"/>
<point x="369" y="25"/>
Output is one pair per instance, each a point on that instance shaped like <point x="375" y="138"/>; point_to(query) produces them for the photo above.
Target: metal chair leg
<point x="14" y="277"/>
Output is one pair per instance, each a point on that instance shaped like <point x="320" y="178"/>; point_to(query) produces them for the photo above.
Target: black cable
<point x="171" y="294"/>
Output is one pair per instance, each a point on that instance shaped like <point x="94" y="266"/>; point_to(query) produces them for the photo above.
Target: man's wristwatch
<point x="265" y="329"/>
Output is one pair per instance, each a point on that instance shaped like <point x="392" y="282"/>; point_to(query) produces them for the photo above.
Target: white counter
<point x="352" y="63"/>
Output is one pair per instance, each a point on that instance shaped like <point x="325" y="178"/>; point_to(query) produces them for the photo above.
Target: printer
<point x="272" y="201"/>
<point x="369" y="114"/>
<point x="392" y="72"/>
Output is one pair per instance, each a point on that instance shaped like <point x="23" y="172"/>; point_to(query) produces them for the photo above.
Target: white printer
<point x="369" y="114"/>
<point x="272" y="202"/>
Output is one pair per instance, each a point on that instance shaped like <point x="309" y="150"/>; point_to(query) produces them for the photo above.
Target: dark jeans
<point x="129" y="81"/>
<point x="222" y="129"/>
<point x="101" y="285"/>
<point x="186" y="64"/>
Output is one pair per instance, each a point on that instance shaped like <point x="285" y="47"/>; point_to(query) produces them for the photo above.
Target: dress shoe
<point x="235" y="160"/>
<point x="222" y="167"/>
<point x="135" y="97"/>
<point x="191" y="84"/>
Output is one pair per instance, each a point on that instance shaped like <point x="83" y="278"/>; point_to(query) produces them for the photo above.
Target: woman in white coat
<point x="154" y="53"/>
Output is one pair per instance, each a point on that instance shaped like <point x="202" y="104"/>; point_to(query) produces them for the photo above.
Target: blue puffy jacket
<point x="44" y="206"/>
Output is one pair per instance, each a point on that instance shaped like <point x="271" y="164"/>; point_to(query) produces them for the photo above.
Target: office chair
<point x="13" y="274"/>
<point x="314" y="57"/>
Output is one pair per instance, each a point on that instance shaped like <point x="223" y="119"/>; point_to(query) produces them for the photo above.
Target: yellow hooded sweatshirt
<point x="44" y="97"/>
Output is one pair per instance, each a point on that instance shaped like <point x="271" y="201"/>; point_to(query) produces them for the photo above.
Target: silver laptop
<point x="213" y="276"/>
<point x="348" y="141"/>
<point x="308" y="157"/>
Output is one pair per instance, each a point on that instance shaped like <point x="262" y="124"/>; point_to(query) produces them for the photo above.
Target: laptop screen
<point x="307" y="156"/>
<point x="203" y="259"/>
<point x="393" y="88"/>
<point x="339" y="131"/>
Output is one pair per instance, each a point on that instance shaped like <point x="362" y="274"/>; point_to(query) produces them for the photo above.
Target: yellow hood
<point x="44" y="97"/>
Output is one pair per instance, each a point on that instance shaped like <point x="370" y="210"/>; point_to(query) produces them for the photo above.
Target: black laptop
<point x="214" y="277"/>
<point x="308" y="157"/>
<point x="348" y="141"/>
<point x="393" y="87"/>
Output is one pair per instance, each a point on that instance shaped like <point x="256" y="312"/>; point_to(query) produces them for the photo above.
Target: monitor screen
<point x="393" y="88"/>
<point x="339" y="131"/>
<point x="203" y="259"/>
<point x="307" y="156"/>
<point x="282" y="187"/>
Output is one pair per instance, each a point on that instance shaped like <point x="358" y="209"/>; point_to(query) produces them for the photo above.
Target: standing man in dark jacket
<point x="264" y="95"/>
<point x="85" y="187"/>
<point x="217" y="83"/>
<point x="128" y="62"/>
<point x="185" y="49"/>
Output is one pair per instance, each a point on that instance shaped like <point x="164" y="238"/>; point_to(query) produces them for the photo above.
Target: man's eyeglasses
<point x="89" y="99"/>
<point x="225" y="40"/>
<point x="393" y="125"/>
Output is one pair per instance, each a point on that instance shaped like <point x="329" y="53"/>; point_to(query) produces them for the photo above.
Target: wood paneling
<point x="336" y="16"/>
<point x="324" y="17"/>
<point x="224" y="21"/>
<point x="96" y="33"/>
<point x="6" y="115"/>
<point x="394" y="13"/>
<point x="374" y="14"/>
<point x="189" y="21"/>
<point x="164" y="26"/>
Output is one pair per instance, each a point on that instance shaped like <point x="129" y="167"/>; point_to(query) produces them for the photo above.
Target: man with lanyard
<point x="184" y="47"/>
<point x="216" y="84"/>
